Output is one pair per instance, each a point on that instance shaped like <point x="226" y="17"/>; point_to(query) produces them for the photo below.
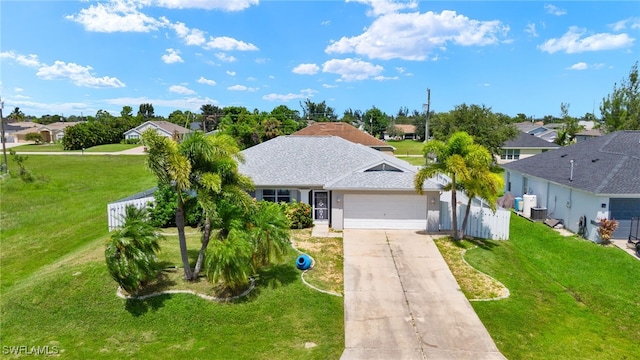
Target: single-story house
<point x="348" y="185"/>
<point x="522" y="147"/>
<point x="50" y="132"/>
<point x="538" y="129"/>
<point x="584" y="182"/>
<point x="347" y="132"/>
<point x="588" y="134"/>
<point x="163" y="128"/>
<point x="408" y="130"/>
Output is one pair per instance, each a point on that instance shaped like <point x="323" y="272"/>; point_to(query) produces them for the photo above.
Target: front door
<point x="321" y="206"/>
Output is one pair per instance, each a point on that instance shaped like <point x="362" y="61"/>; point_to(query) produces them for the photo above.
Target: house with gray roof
<point x="348" y="185"/>
<point x="522" y="147"/>
<point x="584" y="182"/>
<point x="163" y="128"/>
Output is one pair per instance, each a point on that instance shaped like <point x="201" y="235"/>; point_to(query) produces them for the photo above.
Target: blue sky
<point x="68" y="57"/>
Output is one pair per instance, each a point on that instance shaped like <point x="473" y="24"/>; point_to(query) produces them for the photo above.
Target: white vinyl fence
<point x="483" y="223"/>
<point x="116" y="210"/>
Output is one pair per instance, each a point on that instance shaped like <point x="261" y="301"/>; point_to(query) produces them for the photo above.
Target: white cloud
<point x="283" y="97"/>
<point x="325" y="23"/>
<point x="18" y="89"/>
<point x="180" y="89"/>
<point x="227" y="44"/>
<point x="226" y="5"/>
<point x="572" y="43"/>
<point x="242" y="88"/>
<point x="194" y="37"/>
<point x="381" y="7"/>
<point x="329" y="86"/>
<point x="30" y="60"/>
<point x="115" y="16"/>
<point x="18" y="96"/>
<point x="172" y="56"/>
<point x="531" y="29"/>
<point x="632" y="23"/>
<point x="226" y="58"/>
<point x="306" y="69"/>
<point x="584" y="66"/>
<point x="352" y="69"/>
<point x="206" y="81"/>
<point x="251" y="78"/>
<point x="554" y="10"/>
<point x="231" y="73"/>
<point x="578" y="66"/>
<point x="261" y="60"/>
<point x="78" y="74"/>
<point x="413" y="36"/>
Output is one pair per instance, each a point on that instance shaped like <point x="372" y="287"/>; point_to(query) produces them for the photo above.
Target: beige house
<point x="163" y="128"/>
<point x="50" y="133"/>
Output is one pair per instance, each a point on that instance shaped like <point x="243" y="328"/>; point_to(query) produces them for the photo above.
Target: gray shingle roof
<point x="609" y="164"/>
<point x="316" y="161"/>
<point x="525" y="140"/>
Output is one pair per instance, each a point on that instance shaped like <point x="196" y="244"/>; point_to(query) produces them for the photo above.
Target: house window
<point x="276" y="195"/>
<point x="510" y="154"/>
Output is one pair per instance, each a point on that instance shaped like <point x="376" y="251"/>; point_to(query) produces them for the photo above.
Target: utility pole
<point x="426" y="123"/>
<point x="4" y="140"/>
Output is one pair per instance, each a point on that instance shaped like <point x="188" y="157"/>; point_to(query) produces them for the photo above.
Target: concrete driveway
<point x="402" y="302"/>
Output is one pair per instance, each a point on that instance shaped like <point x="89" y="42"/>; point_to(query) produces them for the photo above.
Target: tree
<point x="131" y="251"/>
<point x="16" y="115"/>
<point x="318" y="111"/>
<point x="482" y="183"/>
<point x="269" y="234"/>
<point x="375" y="121"/>
<point x="172" y="169"/>
<point x="571" y="127"/>
<point x="146" y="111"/>
<point x="352" y="117"/>
<point x="214" y="176"/>
<point x="126" y="112"/>
<point x="210" y="117"/>
<point x="460" y="159"/>
<point x="395" y="132"/>
<point x="621" y="109"/>
<point x="486" y="128"/>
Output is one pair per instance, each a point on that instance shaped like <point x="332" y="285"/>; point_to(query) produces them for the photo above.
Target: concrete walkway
<point x="402" y="302"/>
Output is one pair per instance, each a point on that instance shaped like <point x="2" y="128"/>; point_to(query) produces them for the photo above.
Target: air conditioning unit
<point x="539" y="213"/>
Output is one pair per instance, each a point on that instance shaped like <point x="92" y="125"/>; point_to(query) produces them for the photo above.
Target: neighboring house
<point x="50" y="133"/>
<point x="347" y="132"/>
<point x="408" y="130"/>
<point x="163" y="128"/>
<point x="348" y="185"/>
<point x="589" y="180"/>
<point x="538" y="129"/>
<point x="588" y="134"/>
<point x="522" y="147"/>
<point x="10" y="129"/>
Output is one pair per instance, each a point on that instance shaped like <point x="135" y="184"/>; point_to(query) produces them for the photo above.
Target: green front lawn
<point x="570" y="298"/>
<point x="407" y="147"/>
<point x="57" y="147"/>
<point x="56" y="290"/>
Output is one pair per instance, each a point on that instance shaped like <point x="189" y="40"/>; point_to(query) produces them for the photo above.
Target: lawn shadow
<point x="163" y="281"/>
<point x="273" y="277"/>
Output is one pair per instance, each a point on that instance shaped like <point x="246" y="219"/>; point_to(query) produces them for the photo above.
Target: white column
<point x="304" y="196"/>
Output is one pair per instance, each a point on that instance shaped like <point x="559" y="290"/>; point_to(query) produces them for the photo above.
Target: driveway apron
<point x="402" y="302"/>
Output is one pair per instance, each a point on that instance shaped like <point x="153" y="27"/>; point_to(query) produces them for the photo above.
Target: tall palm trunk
<point x="454" y="207"/>
<point x="206" y="235"/>
<point x="188" y="275"/>
<point x="466" y="217"/>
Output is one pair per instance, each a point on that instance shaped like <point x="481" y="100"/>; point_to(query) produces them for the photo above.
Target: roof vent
<point x="594" y="160"/>
<point x="563" y="155"/>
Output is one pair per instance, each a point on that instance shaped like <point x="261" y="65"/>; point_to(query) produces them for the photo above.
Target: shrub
<point x="229" y="260"/>
<point x="131" y="141"/>
<point x="25" y="174"/>
<point x="35" y="137"/>
<point x="298" y="215"/>
<point x="162" y="212"/>
<point x="605" y="230"/>
<point x="131" y="251"/>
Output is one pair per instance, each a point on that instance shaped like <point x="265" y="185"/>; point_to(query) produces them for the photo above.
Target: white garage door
<point x="385" y="211"/>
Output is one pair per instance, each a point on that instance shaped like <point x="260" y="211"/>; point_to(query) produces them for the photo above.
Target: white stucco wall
<point x="564" y="203"/>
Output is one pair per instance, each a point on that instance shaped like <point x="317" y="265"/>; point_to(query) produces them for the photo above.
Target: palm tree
<point x="483" y="184"/>
<point x="130" y="252"/>
<point x="460" y="159"/>
<point x="173" y="169"/>
<point x="214" y="175"/>
<point x="269" y="234"/>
